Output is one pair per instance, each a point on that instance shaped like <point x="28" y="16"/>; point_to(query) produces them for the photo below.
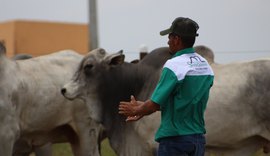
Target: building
<point x="40" y="38"/>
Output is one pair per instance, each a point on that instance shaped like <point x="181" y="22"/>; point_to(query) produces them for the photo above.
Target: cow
<point x="206" y="52"/>
<point x="33" y="111"/>
<point x="22" y="148"/>
<point x="101" y="81"/>
<point x="237" y="116"/>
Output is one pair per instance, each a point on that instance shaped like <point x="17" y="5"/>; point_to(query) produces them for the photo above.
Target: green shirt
<point x="182" y="93"/>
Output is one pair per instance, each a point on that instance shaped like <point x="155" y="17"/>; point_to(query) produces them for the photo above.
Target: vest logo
<point x="195" y="61"/>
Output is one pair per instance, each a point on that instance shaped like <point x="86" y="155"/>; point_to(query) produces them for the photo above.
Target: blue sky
<point x="234" y="29"/>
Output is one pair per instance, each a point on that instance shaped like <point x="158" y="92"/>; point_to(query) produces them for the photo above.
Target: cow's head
<point x="85" y="81"/>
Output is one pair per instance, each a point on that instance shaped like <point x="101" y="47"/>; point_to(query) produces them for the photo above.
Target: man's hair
<point x="188" y="41"/>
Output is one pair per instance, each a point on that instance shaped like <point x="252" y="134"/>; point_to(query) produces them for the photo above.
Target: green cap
<point x="183" y="27"/>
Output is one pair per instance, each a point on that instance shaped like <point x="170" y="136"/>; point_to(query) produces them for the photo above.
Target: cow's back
<point x="39" y="84"/>
<point x="157" y="57"/>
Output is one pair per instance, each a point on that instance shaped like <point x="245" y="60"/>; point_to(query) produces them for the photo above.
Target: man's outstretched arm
<point x="135" y="110"/>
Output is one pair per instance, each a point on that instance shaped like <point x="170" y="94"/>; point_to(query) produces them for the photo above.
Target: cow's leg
<point x="9" y="130"/>
<point x="83" y="132"/>
<point x="22" y="148"/>
<point x="6" y="143"/>
<point x="87" y="131"/>
<point x="91" y="140"/>
<point x="88" y="139"/>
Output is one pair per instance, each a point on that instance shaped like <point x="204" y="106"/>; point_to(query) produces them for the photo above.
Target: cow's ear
<point x="115" y="59"/>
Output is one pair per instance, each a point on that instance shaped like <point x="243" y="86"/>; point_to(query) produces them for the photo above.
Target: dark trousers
<point x="185" y="145"/>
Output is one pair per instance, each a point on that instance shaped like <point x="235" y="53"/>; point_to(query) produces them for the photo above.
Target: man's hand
<point x="129" y="109"/>
<point x="135" y="110"/>
<point x="133" y="118"/>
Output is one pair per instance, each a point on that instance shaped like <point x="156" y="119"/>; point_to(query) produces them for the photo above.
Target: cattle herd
<point x="68" y="97"/>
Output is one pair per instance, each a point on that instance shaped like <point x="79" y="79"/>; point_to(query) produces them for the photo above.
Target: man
<point x="181" y="95"/>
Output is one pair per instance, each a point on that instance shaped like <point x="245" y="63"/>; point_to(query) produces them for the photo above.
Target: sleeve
<point x="165" y="86"/>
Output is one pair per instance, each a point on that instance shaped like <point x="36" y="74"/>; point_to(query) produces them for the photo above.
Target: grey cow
<point x="237" y="117"/>
<point x="103" y="80"/>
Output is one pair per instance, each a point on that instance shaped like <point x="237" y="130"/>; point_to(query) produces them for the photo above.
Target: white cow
<point x="238" y="112"/>
<point x="21" y="147"/>
<point x="33" y="110"/>
<point x="237" y="116"/>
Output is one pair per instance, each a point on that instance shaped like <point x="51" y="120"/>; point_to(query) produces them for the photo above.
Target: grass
<point x="106" y="150"/>
<point x="64" y="149"/>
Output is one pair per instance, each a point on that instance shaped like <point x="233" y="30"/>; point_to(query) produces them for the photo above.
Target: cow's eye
<point x="87" y="68"/>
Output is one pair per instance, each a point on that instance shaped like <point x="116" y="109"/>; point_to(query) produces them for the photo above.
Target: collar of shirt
<point x="184" y="51"/>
